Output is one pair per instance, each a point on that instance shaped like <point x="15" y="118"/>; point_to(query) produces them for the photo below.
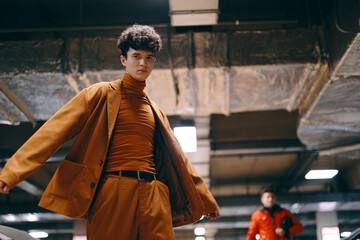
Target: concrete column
<point x="325" y="219"/>
<point x="79" y="229"/>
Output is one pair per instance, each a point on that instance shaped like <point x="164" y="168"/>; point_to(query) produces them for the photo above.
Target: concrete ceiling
<point x="273" y="90"/>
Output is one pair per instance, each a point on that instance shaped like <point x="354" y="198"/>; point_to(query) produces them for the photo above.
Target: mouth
<point x="142" y="71"/>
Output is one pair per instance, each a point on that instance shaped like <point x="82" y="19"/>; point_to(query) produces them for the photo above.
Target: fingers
<point x="213" y="215"/>
<point x="4" y="188"/>
<point x="280" y="232"/>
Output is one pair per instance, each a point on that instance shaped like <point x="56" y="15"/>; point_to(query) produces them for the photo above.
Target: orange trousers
<point x="130" y="209"/>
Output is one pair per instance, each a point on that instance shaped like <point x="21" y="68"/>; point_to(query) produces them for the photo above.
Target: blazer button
<point x="92" y="185"/>
<point x="101" y="162"/>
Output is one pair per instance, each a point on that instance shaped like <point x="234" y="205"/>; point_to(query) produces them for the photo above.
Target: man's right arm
<point x="253" y="229"/>
<point x="59" y="129"/>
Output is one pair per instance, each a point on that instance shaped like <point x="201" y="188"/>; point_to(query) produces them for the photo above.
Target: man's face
<point x="268" y="199"/>
<point x="138" y="63"/>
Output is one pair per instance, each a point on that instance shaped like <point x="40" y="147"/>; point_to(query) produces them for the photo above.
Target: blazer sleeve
<point x="59" y="129"/>
<point x="208" y="200"/>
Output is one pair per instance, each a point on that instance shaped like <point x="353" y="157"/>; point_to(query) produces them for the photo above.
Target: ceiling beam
<point x="248" y="200"/>
<point x="249" y="151"/>
<point x="18" y="103"/>
<point x="297" y="171"/>
<point x="337" y="150"/>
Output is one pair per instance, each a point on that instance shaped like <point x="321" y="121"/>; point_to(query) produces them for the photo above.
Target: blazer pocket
<point x="66" y="178"/>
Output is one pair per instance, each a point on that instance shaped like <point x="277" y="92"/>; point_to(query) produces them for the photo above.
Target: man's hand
<point x="4" y="188"/>
<point x="280" y="232"/>
<point x="213" y="215"/>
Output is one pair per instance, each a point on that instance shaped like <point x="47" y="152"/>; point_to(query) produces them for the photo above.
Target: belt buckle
<point x="138" y="175"/>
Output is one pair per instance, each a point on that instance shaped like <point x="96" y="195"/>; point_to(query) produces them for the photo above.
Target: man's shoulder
<point x="258" y="212"/>
<point x="105" y="85"/>
<point x="286" y="211"/>
<point x="257" y="215"/>
<point x="102" y="87"/>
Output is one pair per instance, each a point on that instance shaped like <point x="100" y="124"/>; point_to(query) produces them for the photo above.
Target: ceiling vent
<point x="194" y="12"/>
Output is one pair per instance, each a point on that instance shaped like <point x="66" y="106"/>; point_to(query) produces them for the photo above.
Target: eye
<point x="151" y="58"/>
<point x="136" y="56"/>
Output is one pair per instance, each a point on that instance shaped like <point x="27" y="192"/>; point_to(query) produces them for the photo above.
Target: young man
<point x="126" y="173"/>
<point x="271" y="221"/>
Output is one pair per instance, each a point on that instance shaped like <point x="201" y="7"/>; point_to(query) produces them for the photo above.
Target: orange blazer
<point x="91" y="116"/>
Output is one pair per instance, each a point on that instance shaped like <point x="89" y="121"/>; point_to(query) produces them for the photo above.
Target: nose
<point x="142" y="62"/>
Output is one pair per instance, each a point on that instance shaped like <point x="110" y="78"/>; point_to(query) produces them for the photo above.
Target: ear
<point x="123" y="60"/>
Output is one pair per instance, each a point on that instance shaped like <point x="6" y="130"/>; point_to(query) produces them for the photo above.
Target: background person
<point x="271" y="221"/>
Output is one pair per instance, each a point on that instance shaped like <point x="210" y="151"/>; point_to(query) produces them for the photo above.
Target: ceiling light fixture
<point x="321" y="174"/>
<point x="187" y="138"/>
<point x="331" y="233"/>
<point x="200" y="238"/>
<point x="10" y="218"/>
<point x="199" y="231"/>
<point x="38" y="234"/>
<point x="31" y="217"/>
<point x="345" y="234"/>
<point x="79" y="237"/>
<point x="193" y="13"/>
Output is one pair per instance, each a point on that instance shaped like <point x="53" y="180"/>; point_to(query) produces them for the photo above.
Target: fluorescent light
<point x="9" y="218"/>
<point x="79" y="237"/>
<point x="321" y="174"/>
<point x="181" y="5"/>
<point x="39" y="234"/>
<point x="31" y="217"/>
<point x="199" y="231"/>
<point x="330" y="233"/>
<point x="192" y="19"/>
<point x="345" y="234"/>
<point x="187" y="138"/>
<point x="193" y="13"/>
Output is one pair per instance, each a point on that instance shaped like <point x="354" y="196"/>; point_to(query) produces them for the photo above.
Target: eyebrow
<point x="135" y="53"/>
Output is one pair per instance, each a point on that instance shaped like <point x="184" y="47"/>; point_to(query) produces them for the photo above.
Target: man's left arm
<point x="297" y="226"/>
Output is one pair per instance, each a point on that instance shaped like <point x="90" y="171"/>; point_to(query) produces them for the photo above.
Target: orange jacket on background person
<point x="264" y="224"/>
<point x="91" y="116"/>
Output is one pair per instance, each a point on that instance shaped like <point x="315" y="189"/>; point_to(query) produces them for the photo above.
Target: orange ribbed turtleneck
<point x="132" y="142"/>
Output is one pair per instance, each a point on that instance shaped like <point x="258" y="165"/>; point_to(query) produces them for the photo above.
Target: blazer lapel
<point x="155" y="109"/>
<point x="113" y="104"/>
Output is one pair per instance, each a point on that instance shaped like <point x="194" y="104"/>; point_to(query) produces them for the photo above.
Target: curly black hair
<point x="139" y="37"/>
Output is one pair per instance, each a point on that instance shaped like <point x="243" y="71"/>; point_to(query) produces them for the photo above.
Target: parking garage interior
<point x="272" y="88"/>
